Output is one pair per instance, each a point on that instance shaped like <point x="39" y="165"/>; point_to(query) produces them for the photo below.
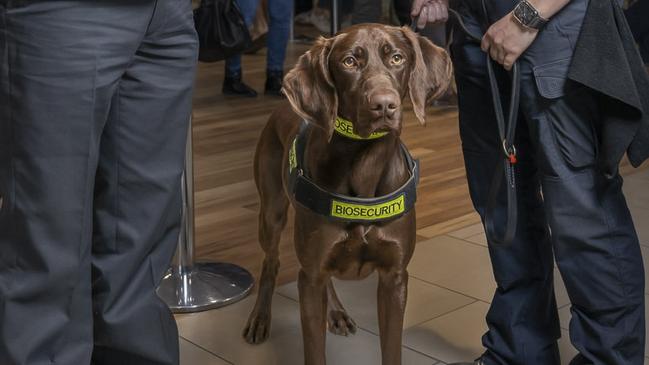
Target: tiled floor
<point x="449" y="293"/>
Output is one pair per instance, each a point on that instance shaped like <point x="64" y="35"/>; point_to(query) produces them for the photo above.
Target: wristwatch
<point x="528" y="16"/>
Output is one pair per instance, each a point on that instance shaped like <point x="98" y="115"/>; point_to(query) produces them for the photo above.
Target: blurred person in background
<point x="371" y="11"/>
<point x="318" y="14"/>
<point x="351" y="12"/>
<point x="279" y="27"/>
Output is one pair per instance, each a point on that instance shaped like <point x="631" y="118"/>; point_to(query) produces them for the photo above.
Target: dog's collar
<point x="346" y="208"/>
<point x="346" y="128"/>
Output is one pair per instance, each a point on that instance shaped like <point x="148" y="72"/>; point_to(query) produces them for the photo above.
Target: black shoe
<point x="232" y="85"/>
<point x="274" y="83"/>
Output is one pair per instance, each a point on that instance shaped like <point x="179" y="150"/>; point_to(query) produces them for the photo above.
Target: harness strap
<point x="345" y="208"/>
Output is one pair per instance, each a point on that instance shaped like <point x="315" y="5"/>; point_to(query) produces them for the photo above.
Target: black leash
<point x="507" y="133"/>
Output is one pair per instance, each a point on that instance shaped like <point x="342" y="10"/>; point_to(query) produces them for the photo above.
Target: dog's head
<point x="364" y="74"/>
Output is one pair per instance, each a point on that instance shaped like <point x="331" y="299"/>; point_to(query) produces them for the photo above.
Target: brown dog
<point x="361" y="75"/>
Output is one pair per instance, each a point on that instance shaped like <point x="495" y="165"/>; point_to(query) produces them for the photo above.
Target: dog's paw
<point x="257" y="329"/>
<point x="340" y="323"/>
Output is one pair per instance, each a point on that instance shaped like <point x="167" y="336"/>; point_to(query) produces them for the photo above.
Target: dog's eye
<point x="397" y="59"/>
<point x="349" y="62"/>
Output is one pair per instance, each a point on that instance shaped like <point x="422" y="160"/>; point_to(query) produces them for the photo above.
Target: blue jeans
<point x="279" y="12"/>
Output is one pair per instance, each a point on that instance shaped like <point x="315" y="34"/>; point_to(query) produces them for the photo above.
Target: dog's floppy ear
<point x="310" y="88"/>
<point x="431" y="74"/>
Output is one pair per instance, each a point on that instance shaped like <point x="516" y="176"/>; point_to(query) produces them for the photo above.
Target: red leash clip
<point x="512" y="159"/>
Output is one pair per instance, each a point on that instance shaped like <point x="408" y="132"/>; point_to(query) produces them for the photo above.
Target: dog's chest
<point x="360" y="254"/>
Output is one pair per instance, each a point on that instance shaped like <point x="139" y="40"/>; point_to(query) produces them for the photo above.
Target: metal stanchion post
<point x="192" y="286"/>
<point x="335" y="22"/>
<point x="292" y="29"/>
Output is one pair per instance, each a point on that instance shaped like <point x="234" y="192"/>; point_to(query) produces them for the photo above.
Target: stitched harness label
<point x="346" y="128"/>
<point x="368" y="212"/>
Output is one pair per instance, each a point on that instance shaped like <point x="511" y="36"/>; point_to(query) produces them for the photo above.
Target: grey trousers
<point x="95" y="97"/>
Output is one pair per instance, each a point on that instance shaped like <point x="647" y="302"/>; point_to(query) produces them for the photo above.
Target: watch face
<point x="525" y="13"/>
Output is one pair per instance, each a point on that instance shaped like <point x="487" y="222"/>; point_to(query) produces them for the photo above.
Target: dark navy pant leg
<point x="594" y="240"/>
<point x="592" y="234"/>
<point x="523" y="321"/>
<point x="595" y="244"/>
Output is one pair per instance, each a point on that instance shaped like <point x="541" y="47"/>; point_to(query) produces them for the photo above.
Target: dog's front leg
<point x="392" y="294"/>
<point x="313" y="310"/>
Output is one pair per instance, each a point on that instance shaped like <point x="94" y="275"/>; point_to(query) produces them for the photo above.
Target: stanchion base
<point x="206" y="286"/>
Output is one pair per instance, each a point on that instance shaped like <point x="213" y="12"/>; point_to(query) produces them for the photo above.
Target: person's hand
<point x="429" y="11"/>
<point x="506" y="40"/>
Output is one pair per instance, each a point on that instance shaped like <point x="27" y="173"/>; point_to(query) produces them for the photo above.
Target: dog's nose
<point x="384" y="103"/>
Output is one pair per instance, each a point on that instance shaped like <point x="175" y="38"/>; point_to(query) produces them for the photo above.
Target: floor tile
<point x="480" y="239"/>
<point x="564" y="317"/>
<point x="425" y="301"/>
<point x="456" y="265"/>
<point x="219" y="331"/>
<point x="466" y="232"/>
<point x="449" y="225"/>
<point x="640" y="175"/>
<point x="566" y="349"/>
<point x="453" y="337"/>
<point x="637" y="192"/>
<point x="191" y="354"/>
<point x="560" y="291"/>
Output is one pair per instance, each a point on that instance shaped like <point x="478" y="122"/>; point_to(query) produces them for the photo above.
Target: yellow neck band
<point x="346" y="128"/>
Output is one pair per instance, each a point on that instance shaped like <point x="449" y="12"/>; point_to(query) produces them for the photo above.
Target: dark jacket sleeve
<point x="606" y="60"/>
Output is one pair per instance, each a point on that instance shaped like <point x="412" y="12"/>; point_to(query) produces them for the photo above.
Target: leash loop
<point x="507" y="132"/>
